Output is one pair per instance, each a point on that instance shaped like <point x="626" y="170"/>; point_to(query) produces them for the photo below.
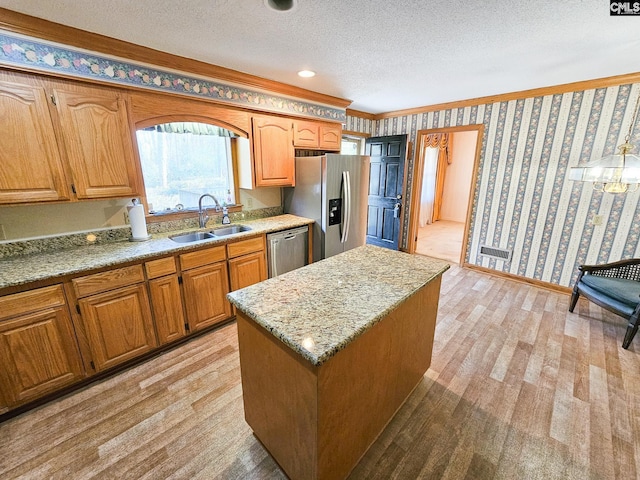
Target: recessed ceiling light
<point x="306" y="73"/>
<point x="281" y="5"/>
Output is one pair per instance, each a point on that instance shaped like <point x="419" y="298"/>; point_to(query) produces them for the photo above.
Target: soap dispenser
<point x="225" y="216"/>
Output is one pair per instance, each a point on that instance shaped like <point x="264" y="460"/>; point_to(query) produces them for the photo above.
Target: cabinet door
<point x="30" y="164"/>
<point x="247" y="270"/>
<point x="330" y="137"/>
<point x="306" y="134"/>
<point x="38" y="355"/>
<point x="98" y="142"/>
<point x="205" y="290"/>
<point x="118" y="325"/>
<point x="273" y="152"/>
<point x="166" y="303"/>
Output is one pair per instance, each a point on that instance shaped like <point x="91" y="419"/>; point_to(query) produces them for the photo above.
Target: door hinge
<point x="186" y="327"/>
<point x="93" y="365"/>
<point x="78" y="309"/>
<point x="73" y="188"/>
<point x="53" y="100"/>
<point x="180" y="280"/>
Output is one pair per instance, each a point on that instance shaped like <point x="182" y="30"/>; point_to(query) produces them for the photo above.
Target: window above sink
<point x="182" y="160"/>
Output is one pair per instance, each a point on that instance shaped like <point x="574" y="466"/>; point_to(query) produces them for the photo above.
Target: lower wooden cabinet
<point x="122" y="313"/>
<point x="166" y="299"/>
<point x="38" y="349"/>
<point x="247" y="270"/>
<point x="118" y="324"/>
<point x="166" y="303"/>
<point x="247" y="262"/>
<point x="205" y="290"/>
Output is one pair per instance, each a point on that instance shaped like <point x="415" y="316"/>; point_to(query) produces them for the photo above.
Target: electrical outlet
<point x="249" y="202"/>
<point x="596" y="220"/>
<point x="126" y="217"/>
<point x="3" y="235"/>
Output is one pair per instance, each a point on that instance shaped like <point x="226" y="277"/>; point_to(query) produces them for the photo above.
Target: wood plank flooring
<point x="518" y="388"/>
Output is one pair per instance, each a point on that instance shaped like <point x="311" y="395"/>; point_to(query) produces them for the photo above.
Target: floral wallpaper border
<point x="17" y="50"/>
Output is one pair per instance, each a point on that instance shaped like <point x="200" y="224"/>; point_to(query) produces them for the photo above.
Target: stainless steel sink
<point x="216" y="232"/>
<point x="191" y="237"/>
<point x="230" y="230"/>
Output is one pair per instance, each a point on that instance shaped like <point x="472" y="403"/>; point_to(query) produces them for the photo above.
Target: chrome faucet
<point x="202" y="214"/>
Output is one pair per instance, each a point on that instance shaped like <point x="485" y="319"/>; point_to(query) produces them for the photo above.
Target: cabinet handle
<point x="53" y="100"/>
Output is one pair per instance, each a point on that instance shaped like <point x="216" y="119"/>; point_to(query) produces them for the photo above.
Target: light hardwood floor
<point x="441" y="239"/>
<point x="518" y="389"/>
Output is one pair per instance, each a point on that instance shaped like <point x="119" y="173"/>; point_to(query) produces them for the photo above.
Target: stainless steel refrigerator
<point x="332" y="190"/>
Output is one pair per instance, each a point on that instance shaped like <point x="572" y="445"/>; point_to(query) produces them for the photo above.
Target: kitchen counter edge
<point x="23" y="270"/>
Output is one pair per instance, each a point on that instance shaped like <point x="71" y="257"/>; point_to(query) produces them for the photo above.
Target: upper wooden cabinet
<point x="97" y="141"/>
<point x="60" y="136"/>
<point x="316" y="135"/>
<point x="30" y="163"/>
<point x="273" y="152"/>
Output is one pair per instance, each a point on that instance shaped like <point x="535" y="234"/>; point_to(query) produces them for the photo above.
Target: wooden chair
<point x="615" y="287"/>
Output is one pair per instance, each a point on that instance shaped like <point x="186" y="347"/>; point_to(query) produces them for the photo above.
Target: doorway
<point x="446" y="164"/>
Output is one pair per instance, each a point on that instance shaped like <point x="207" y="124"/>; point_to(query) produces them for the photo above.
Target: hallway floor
<point x="441" y="239"/>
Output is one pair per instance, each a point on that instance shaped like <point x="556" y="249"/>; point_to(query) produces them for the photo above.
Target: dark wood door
<point x="386" y="177"/>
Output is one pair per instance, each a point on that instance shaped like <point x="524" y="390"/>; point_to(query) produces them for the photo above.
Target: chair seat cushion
<point x="623" y="290"/>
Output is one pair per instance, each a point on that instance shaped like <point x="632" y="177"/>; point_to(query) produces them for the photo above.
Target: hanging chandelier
<point x="617" y="173"/>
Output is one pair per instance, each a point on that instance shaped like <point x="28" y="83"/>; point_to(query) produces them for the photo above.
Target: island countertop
<point x="319" y="309"/>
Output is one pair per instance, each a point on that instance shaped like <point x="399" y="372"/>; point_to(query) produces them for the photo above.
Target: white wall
<point x="260" y="198"/>
<point x="30" y="221"/>
<point x="457" y="180"/>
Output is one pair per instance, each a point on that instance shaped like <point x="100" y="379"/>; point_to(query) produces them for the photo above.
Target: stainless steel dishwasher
<point x="287" y="250"/>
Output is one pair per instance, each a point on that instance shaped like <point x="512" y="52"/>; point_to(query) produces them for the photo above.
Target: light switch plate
<point x="3" y="235"/>
<point x="596" y="220"/>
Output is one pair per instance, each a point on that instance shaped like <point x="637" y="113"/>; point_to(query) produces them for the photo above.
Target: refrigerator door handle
<point x="345" y="209"/>
<point x="347" y="224"/>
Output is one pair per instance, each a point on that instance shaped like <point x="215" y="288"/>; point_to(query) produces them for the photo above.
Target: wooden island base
<point x="318" y="421"/>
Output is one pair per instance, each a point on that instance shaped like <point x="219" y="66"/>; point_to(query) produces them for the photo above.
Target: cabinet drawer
<point x="243" y="247"/>
<point x="31" y="301"/>
<point x="202" y="257"/>
<point x="160" y="267"/>
<point x="101" y="282"/>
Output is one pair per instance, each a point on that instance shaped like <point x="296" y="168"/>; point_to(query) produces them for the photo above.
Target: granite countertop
<point x="319" y="309"/>
<point x="21" y="270"/>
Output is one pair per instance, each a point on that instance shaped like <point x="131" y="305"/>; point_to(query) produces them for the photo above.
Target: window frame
<point x="180" y="214"/>
<point x="358" y="137"/>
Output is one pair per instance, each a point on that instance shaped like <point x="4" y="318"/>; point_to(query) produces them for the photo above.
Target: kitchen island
<point x="330" y="352"/>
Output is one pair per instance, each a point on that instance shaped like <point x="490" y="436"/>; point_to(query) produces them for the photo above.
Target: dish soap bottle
<point x="225" y="216"/>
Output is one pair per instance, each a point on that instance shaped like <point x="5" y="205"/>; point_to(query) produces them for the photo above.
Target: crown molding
<point x="359" y="114"/>
<point x="536" y="92"/>
<point x="27" y="25"/>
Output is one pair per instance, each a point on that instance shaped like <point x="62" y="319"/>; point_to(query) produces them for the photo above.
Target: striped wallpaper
<point x="524" y="200"/>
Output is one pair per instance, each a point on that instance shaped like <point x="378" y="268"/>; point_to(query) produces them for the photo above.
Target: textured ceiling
<point x="382" y="55"/>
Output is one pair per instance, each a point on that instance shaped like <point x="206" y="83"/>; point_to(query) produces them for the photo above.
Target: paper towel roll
<point x="137" y="221"/>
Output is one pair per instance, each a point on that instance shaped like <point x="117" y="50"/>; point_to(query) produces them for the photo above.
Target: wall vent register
<point x="496" y="253"/>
